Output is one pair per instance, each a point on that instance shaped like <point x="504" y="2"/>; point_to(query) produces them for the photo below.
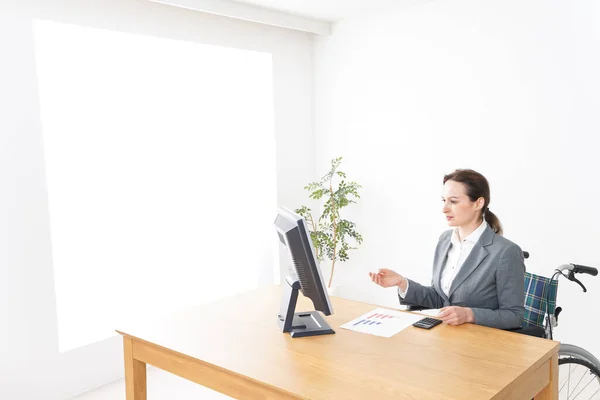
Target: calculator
<point x="427" y="323"/>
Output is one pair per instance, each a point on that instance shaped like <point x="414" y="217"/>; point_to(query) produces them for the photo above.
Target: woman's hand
<point x="387" y="278"/>
<point x="455" y="315"/>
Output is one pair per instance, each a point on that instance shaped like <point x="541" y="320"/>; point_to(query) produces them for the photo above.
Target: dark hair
<point x="477" y="186"/>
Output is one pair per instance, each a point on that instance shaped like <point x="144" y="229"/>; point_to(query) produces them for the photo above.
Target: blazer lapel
<point x="477" y="255"/>
<point x="440" y="262"/>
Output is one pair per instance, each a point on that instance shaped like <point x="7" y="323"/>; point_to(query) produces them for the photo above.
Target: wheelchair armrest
<point x="530" y="330"/>
<point x="416" y="308"/>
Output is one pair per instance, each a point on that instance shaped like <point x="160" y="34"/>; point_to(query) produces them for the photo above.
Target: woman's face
<point x="457" y="206"/>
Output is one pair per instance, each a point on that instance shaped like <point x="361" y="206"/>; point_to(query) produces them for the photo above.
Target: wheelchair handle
<point x="573" y="269"/>
<point x="584" y="270"/>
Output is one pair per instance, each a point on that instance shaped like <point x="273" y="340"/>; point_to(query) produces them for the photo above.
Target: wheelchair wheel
<point x="578" y="379"/>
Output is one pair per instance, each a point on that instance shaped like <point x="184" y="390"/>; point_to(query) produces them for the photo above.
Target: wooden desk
<point x="234" y="347"/>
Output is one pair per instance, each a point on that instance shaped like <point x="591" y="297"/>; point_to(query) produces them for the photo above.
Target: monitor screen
<point x="305" y="276"/>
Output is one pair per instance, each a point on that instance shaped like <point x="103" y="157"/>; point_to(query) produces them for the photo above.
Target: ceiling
<point x="332" y="10"/>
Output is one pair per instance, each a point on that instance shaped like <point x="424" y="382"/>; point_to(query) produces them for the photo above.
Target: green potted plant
<point x="330" y="232"/>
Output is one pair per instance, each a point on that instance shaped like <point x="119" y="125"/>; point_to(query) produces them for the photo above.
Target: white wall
<point x="508" y="88"/>
<point x="30" y="365"/>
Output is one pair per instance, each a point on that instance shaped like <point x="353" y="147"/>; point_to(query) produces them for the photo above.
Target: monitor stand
<point x="300" y="324"/>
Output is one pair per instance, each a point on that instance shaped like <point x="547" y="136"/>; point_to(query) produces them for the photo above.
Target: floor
<point x="161" y="385"/>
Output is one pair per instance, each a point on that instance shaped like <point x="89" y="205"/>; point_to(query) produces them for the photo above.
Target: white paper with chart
<point x="382" y="322"/>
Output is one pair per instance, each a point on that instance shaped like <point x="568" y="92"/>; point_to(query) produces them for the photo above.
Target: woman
<point x="477" y="274"/>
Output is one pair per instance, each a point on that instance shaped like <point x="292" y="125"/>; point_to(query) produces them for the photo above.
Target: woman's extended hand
<point x="387" y="278"/>
<point x="455" y="315"/>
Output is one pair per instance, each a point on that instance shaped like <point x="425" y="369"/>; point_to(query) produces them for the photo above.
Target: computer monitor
<point x="305" y="277"/>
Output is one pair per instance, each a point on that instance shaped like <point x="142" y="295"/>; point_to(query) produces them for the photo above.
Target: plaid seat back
<point x="540" y="297"/>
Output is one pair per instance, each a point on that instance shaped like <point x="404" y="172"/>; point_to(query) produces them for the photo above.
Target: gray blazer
<point x="490" y="282"/>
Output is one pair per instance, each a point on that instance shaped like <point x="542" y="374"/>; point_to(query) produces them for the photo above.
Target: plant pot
<point x="333" y="290"/>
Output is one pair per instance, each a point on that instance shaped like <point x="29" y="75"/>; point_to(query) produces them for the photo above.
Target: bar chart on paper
<point x="373" y="319"/>
<point x="382" y="322"/>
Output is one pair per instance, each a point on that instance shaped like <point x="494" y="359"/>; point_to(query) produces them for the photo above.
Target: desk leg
<point x="135" y="373"/>
<point x="550" y="392"/>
